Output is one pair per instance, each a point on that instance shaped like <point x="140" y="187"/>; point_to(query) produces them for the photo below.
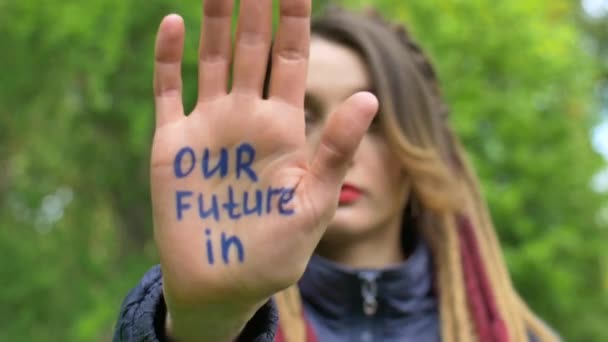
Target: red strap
<point x="488" y="323"/>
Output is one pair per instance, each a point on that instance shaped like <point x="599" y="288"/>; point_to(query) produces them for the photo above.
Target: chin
<point x="347" y="223"/>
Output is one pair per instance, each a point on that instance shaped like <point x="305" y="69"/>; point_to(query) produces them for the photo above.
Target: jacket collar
<point x="337" y="292"/>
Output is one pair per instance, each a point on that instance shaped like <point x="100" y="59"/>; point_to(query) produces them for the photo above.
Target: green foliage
<point x="76" y="120"/>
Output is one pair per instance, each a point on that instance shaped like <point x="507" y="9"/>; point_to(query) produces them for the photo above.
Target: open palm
<point x="239" y="202"/>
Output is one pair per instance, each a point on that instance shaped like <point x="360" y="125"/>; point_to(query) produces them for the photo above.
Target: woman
<point x="289" y="162"/>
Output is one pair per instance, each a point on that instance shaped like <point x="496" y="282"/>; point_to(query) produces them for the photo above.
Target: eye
<point x="312" y="111"/>
<point x="309" y="116"/>
<point x="376" y="120"/>
<point x="375" y="124"/>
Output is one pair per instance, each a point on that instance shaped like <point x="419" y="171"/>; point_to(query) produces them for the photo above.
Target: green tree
<point x="76" y="119"/>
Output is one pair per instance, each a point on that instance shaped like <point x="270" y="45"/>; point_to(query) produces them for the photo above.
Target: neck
<point x="380" y="249"/>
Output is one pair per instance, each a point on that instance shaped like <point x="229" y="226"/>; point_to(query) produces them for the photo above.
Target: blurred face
<point x="375" y="189"/>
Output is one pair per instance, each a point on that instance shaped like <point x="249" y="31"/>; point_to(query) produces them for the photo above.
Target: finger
<point x="290" y="53"/>
<point x="215" y="49"/>
<point x="167" y="70"/>
<point x="339" y="141"/>
<point x="254" y="34"/>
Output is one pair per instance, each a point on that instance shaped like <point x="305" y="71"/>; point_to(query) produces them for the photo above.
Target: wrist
<point x="220" y="321"/>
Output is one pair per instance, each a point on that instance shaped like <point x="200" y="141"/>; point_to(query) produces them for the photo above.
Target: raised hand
<point x="240" y="200"/>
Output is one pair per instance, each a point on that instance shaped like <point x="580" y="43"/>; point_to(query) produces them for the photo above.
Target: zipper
<point x="369" y="292"/>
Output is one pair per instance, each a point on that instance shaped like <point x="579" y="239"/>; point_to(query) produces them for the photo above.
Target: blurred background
<point x="527" y="82"/>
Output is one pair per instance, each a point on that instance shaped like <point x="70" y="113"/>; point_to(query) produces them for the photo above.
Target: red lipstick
<point x="349" y="194"/>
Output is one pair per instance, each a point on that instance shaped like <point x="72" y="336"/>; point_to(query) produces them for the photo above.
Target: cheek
<point x="392" y="183"/>
<point x="386" y="173"/>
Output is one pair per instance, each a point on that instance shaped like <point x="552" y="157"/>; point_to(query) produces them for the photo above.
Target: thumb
<point x="340" y="139"/>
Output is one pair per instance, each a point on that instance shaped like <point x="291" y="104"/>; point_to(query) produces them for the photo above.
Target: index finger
<point x="290" y="53"/>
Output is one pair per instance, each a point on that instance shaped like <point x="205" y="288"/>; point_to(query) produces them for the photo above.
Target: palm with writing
<point x="276" y="247"/>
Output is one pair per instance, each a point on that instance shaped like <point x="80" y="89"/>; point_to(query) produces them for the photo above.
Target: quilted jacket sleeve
<point x="142" y="315"/>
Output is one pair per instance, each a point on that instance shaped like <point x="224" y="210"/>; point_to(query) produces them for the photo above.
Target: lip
<point x="349" y="194"/>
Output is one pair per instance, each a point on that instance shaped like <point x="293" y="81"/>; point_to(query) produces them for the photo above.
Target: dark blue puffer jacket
<point x="341" y="304"/>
